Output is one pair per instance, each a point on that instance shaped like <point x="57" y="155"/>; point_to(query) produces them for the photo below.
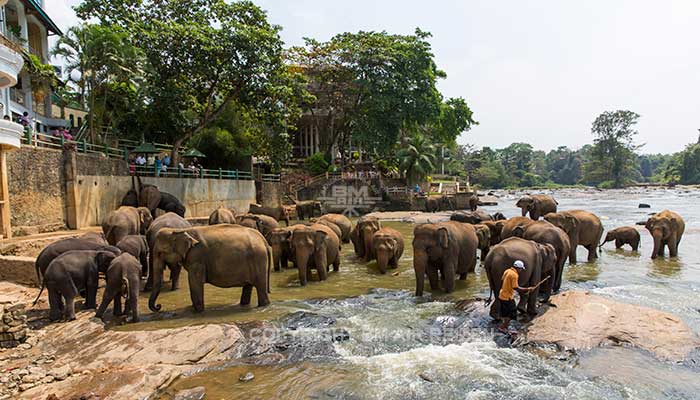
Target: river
<point x="386" y="344"/>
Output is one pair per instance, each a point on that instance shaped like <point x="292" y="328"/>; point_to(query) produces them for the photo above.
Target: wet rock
<point x="247" y="377"/>
<point x="644" y="205"/>
<point x="642" y="223"/>
<point x="26" y="386"/>
<point x="426" y="377"/>
<point x="582" y="321"/>
<point x="340" y="335"/>
<point x="196" y="393"/>
<point x="303" y="319"/>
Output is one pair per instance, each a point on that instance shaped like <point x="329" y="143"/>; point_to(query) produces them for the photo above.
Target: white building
<point x="26" y="24"/>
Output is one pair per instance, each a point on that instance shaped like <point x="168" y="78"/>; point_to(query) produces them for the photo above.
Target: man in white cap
<point x="509" y="284"/>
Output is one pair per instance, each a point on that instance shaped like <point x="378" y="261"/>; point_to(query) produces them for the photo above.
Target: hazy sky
<point x="536" y="71"/>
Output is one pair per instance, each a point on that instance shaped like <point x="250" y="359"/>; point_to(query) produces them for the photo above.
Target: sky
<point x="536" y="71"/>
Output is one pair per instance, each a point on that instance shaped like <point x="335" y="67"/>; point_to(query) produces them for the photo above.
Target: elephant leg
<point x="433" y="278"/>
<point x="322" y="273"/>
<point x="55" y="305"/>
<point x="106" y="299"/>
<point x="572" y="253"/>
<point x="336" y="264"/>
<point x="246" y="293"/>
<point x="261" y="290"/>
<point x="618" y="243"/>
<point x="284" y="261"/>
<point x="673" y="247"/>
<point x="463" y="276"/>
<point x="91" y="298"/>
<point x="195" y="277"/>
<point x="592" y="253"/>
<point x="546" y="288"/>
<point x="175" y="276"/>
<point x="117" y="307"/>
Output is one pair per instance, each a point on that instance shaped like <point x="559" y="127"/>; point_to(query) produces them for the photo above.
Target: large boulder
<point x="582" y="321"/>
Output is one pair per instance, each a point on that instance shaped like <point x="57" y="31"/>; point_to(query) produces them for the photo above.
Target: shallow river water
<point x="395" y="346"/>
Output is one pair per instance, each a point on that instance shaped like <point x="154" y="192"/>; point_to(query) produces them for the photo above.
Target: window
<point x="80" y="122"/>
<point x="72" y="120"/>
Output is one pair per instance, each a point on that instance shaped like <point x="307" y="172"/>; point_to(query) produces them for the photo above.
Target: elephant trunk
<point x="302" y="261"/>
<point x="383" y="257"/>
<point x="158" y="265"/>
<point x="523" y="211"/>
<point x="277" y="256"/>
<point x="657" y="234"/>
<point x="367" y="240"/>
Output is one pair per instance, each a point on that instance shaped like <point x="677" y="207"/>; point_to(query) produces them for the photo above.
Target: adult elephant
<point x="667" y="228"/>
<point x="307" y="208"/>
<point x="330" y="226"/>
<point x="170" y="203"/>
<point x="583" y="228"/>
<point x="538" y="258"/>
<point x="387" y="245"/>
<point x="315" y="246"/>
<point x="55" y="249"/>
<point x="279" y="213"/>
<point x="546" y="233"/>
<point x="149" y="196"/>
<point x="262" y="223"/>
<point x="537" y="205"/>
<point x="222" y="216"/>
<point x="280" y="241"/>
<point x="449" y="247"/>
<point x="222" y="255"/>
<point x="495" y="228"/>
<point x="483" y="233"/>
<point x="361" y="236"/>
<point x="168" y="220"/>
<point x="125" y="221"/>
<point x="342" y="222"/>
<point x="471" y="217"/>
<point x="622" y="236"/>
<point x="131" y="198"/>
<point x="510" y="224"/>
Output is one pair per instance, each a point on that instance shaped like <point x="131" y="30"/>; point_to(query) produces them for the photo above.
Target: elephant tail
<point x="40" y="290"/>
<point x="125" y="287"/>
<point x="269" y="267"/>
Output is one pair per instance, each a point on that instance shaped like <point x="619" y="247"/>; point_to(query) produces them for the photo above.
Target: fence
<point x="42" y="140"/>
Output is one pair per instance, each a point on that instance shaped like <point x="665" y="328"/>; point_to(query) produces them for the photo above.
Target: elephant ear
<point x="182" y="243"/>
<point x="519" y="231"/>
<point x="320" y="240"/>
<point x="443" y="238"/>
<point x="103" y="259"/>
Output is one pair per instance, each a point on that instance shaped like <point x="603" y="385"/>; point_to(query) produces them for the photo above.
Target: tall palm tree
<point x="416" y="159"/>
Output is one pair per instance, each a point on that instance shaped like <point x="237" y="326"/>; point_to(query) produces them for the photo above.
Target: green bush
<point x="607" y="185"/>
<point x="316" y="164"/>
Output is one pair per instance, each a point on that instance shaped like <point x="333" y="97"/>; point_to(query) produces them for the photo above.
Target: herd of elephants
<point x="138" y="242"/>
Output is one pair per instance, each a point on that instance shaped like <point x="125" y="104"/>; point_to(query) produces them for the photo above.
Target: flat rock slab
<point x="582" y="321"/>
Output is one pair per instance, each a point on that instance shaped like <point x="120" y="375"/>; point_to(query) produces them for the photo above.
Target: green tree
<point x="613" y="158"/>
<point x="684" y="167"/>
<point x="377" y="89"/>
<point x="109" y="67"/>
<point x="564" y="166"/>
<point x="202" y="55"/>
<point x="416" y="159"/>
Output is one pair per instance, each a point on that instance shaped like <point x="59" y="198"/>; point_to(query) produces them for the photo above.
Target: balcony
<point x="10" y="134"/>
<point x="11" y="62"/>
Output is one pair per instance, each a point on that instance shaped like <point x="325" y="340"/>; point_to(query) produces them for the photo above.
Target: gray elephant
<point x="432" y="204"/>
<point x="263" y="223"/>
<point x="387" y="246"/>
<point x="471" y="217"/>
<point x="483" y="233"/>
<point x="125" y="221"/>
<point x="279" y="213"/>
<point x="546" y="233"/>
<point x="343" y="223"/>
<point x="222" y="255"/>
<point x="137" y="246"/>
<point x="279" y="240"/>
<point x="315" y="246"/>
<point x="582" y="227"/>
<point x="622" y="236"/>
<point x="308" y="208"/>
<point x="667" y="228"/>
<point x="361" y="236"/>
<point x="222" y="216"/>
<point x="71" y="274"/>
<point x="123" y="279"/>
<point x="328" y="224"/>
<point x="473" y="202"/>
<point x="55" y="249"/>
<point x="447" y="247"/>
<point x="131" y="198"/>
<point x="510" y="224"/>
<point x="167" y="220"/>
<point x="538" y="259"/>
<point x="537" y="205"/>
<point x="149" y="197"/>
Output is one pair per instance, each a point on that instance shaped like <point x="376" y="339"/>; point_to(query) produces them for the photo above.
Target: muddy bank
<point x="582" y="321"/>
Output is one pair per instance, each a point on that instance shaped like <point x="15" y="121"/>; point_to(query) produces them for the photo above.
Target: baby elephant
<point x="72" y="273"/>
<point x="622" y="236"/>
<point x="387" y="245"/>
<point x="137" y="246"/>
<point x="123" y="279"/>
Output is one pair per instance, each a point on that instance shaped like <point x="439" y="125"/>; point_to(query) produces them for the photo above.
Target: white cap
<point x="519" y="264"/>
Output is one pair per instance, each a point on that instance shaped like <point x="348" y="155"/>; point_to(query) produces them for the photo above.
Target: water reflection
<point x="666" y="268"/>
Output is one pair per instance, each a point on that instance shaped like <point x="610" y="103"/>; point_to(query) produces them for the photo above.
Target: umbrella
<point x="194" y="153"/>
<point x="146" y="148"/>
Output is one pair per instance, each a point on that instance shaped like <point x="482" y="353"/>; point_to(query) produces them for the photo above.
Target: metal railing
<point x="184" y="172"/>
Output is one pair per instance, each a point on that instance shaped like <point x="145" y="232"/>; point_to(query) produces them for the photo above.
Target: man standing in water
<point x="509" y="284"/>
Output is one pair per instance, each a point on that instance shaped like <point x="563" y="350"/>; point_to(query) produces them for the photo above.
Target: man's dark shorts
<point x="509" y="309"/>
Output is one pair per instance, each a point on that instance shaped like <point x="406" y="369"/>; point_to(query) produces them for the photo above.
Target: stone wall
<point x="96" y="196"/>
<point x="269" y="193"/>
<point x="13" y="324"/>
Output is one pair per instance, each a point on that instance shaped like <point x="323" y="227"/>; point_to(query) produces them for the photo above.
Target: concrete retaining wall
<point x="98" y="195"/>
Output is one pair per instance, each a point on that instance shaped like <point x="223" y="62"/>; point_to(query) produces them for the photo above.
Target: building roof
<point x="50" y="25"/>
